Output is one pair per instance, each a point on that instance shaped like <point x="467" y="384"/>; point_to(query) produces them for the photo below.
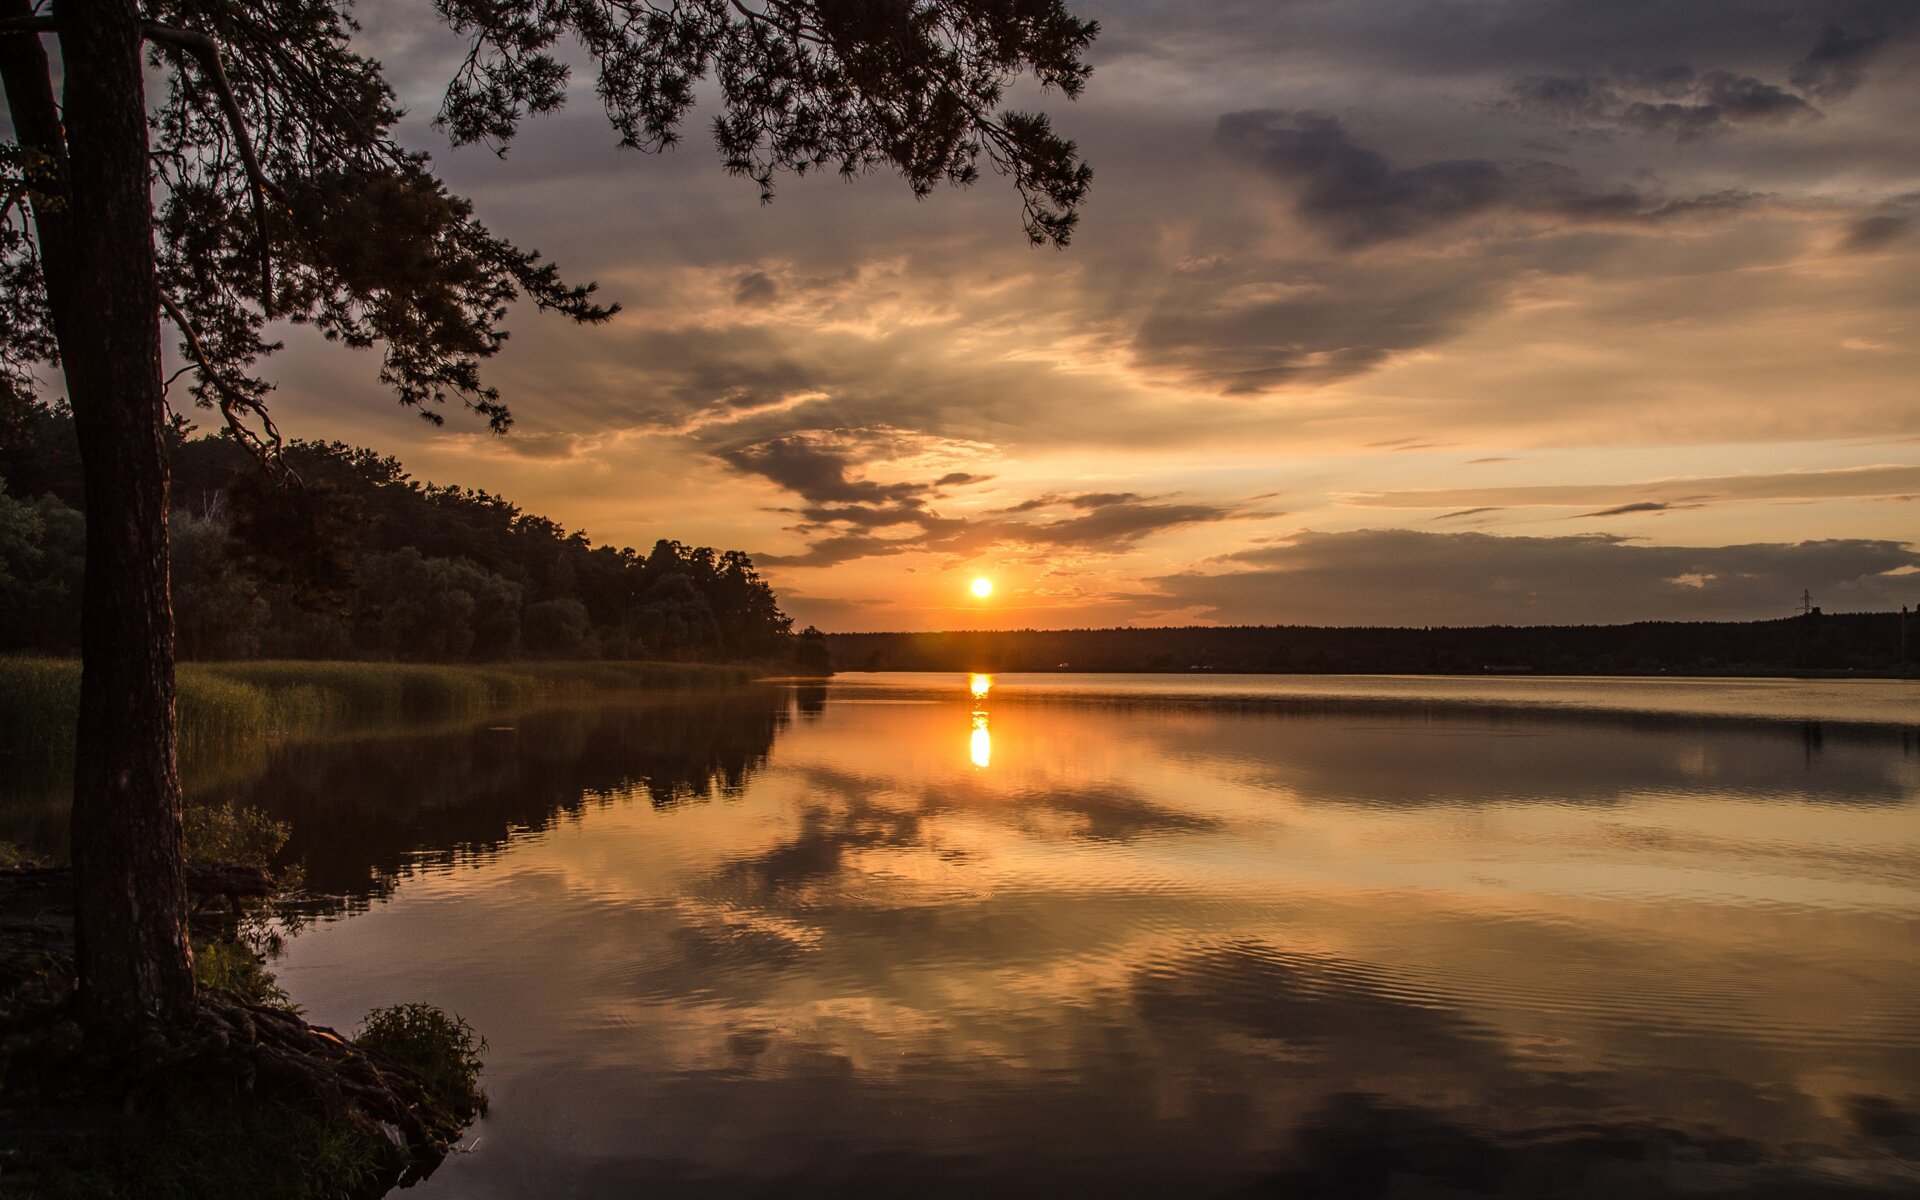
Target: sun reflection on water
<point x="980" y="742"/>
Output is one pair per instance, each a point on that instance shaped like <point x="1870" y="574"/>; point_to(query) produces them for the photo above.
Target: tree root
<point x="50" y="1055"/>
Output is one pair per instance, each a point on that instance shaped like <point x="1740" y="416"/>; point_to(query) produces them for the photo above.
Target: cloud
<point x="840" y="548"/>
<point x="754" y="288"/>
<point x="1675" y="101"/>
<point x="827" y="468"/>
<point x="1871" y="233"/>
<point x="815" y="465"/>
<point x="1836" y="64"/>
<point x="1448" y="41"/>
<point x="1404" y="577"/>
<point x="1216" y="326"/>
<point x="1486" y="224"/>
<point x="1115" y="523"/>
<point x="1638" y="506"/>
<point x="1843" y="483"/>
<point x="1896" y="218"/>
<point x="1359" y="198"/>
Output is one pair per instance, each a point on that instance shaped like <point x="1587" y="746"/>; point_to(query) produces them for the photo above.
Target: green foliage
<point x="233" y="833"/>
<point x="42" y="551"/>
<point x="226" y="965"/>
<point x="441" y="1048"/>
<point x="558" y="628"/>
<point x="28" y="179"/>
<point x="230" y="834"/>
<point x="436" y="609"/>
<point x="357" y="560"/>
<point x="218" y="610"/>
<point x="39" y="702"/>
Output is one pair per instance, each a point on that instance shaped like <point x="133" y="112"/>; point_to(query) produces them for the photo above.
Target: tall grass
<point x="231" y="703"/>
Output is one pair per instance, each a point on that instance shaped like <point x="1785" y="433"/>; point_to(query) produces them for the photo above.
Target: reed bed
<point x="227" y="703"/>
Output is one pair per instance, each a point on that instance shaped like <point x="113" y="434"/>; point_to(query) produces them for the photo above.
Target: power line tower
<point x="1806" y="602"/>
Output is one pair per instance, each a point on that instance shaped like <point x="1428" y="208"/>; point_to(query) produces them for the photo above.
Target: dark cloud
<point x="831" y="551"/>
<point x="1101" y="499"/>
<point x="1871" y="233"/>
<point x="1836" y="64"/>
<point x="1672" y="101"/>
<point x="865" y="516"/>
<point x="1742" y="98"/>
<point x="1466" y="512"/>
<point x="1638" y="506"/>
<point x="1359" y="198"/>
<point x="755" y="287"/>
<point x="1449" y="40"/>
<point x="1403" y="577"/>
<point x="1844" y="483"/>
<point x="815" y="466"/>
<point x="1321" y="325"/>
<point x="844" y="510"/>
<point x="1116" y="523"/>
<point x="1896" y="218"/>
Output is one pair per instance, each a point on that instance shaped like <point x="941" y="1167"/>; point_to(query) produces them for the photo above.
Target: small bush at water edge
<point x="442" y="1049"/>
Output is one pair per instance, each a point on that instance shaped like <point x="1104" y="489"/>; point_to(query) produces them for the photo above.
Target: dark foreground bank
<point x="237" y="1097"/>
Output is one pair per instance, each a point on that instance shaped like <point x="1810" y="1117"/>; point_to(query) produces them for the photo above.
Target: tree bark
<point x="130" y="896"/>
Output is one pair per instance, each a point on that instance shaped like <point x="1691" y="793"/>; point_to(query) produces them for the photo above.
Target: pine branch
<point x="207" y="51"/>
<point x="233" y="402"/>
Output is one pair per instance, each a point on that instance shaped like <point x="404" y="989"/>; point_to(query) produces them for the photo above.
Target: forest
<point x="344" y="556"/>
<point x="1809" y="643"/>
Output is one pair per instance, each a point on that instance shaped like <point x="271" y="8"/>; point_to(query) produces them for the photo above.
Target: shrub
<point x="225" y="965"/>
<point x="442" y="1049"/>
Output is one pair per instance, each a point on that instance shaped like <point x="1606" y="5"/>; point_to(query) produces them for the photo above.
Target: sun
<point x="982" y="587"/>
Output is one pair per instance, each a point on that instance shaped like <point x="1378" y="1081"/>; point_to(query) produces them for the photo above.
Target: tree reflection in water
<point x="365" y="811"/>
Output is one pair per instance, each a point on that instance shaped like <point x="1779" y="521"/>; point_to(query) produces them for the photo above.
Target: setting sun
<point x="983" y="587"/>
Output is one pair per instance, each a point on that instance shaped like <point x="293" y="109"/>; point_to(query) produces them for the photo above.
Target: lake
<point x="1147" y="936"/>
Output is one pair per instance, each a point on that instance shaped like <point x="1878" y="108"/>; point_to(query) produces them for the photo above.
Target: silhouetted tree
<point x="217" y="608"/>
<point x="436" y="609"/>
<point x="281" y="192"/>
<point x="42" y="544"/>
<point x="558" y="628"/>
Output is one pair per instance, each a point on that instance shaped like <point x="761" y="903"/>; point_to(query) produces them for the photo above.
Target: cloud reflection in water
<point x="1177" y="950"/>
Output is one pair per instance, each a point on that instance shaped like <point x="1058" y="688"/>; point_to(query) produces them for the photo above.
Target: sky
<point x="1380" y="312"/>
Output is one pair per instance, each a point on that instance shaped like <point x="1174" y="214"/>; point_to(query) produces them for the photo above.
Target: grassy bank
<point x="221" y="704"/>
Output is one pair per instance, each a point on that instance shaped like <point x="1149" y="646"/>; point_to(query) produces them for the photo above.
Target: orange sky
<point x="1377" y="313"/>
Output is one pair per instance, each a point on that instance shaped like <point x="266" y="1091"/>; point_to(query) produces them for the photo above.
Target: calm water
<point x="1159" y="937"/>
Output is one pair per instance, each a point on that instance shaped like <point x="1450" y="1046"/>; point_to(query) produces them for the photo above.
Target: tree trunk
<point x="129" y="877"/>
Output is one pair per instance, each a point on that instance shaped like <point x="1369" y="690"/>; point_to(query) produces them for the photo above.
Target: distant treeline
<point x="1815" y="642"/>
<point x="353" y="559"/>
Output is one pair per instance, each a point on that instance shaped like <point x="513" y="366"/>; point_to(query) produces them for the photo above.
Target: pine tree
<point x="266" y="182"/>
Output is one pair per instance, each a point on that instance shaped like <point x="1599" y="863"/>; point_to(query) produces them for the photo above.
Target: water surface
<point x="921" y="935"/>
